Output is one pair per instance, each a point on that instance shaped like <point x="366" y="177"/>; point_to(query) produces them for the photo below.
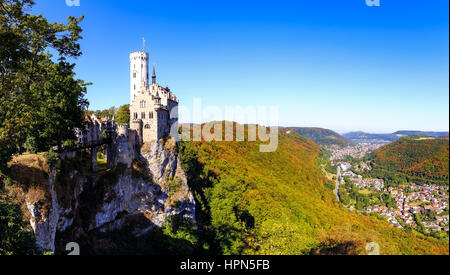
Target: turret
<point x="154" y="75"/>
<point x="157" y="100"/>
<point x="136" y="124"/>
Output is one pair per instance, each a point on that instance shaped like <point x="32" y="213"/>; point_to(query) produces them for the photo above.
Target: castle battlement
<point x="122" y="129"/>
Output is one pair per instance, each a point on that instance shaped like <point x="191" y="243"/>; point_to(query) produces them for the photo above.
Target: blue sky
<point x="335" y="64"/>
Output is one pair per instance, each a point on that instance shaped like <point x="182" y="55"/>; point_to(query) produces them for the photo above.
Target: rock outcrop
<point x="139" y="198"/>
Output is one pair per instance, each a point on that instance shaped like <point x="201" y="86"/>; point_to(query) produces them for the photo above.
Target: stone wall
<point x="121" y="142"/>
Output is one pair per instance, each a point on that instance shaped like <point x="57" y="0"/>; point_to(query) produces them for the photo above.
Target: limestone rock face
<point x="138" y="197"/>
<point x="131" y="202"/>
<point x="161" y="162"/>
<point x="44" y="224"/>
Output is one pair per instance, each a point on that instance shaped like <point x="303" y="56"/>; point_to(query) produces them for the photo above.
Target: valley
<point x="418" y="202"/>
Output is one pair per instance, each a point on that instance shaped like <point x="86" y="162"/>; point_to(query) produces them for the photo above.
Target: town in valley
<point x="422" y="207"/>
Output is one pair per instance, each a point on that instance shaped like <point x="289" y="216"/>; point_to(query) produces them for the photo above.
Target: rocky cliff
<point x="71" y="202"/>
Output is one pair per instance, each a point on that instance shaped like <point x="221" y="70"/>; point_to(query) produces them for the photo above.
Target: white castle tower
<point x="138" y="72"/>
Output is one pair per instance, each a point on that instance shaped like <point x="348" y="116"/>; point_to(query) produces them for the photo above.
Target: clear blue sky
<point x="334" y="64"/>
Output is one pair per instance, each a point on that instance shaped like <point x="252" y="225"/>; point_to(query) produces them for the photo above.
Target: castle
<point x="153" y="112"/>
<point x="153" y="108"/>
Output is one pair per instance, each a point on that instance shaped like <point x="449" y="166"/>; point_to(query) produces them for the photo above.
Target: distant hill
<point x="364" y="137"/>
<point x="321" y="136"/>
<point x="414" y="158"/>
<point x="250" y="202"/>
<point x="420" y="133"/>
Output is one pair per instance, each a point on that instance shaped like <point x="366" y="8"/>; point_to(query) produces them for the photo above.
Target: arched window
<point x="147" y="126"/>
<point x="142" y="115"/>
<point x="135" y="115"/>
<point x="142" y="103"/>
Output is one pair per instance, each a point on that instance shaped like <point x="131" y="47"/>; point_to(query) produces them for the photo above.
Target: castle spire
<point x="154" y="75"/>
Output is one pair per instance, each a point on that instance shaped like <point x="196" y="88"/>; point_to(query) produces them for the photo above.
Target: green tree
<point x="112" y="112"/>
<point x="40" y="102"/>
<point x="16" y="238"/>
<point x="89" y="113"/>
<point x="123" y="114"/>
<point x="106" y="113"/>
<point x="226" y="215"/>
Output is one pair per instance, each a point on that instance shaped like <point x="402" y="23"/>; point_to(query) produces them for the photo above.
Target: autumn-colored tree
<point x="248" y="202"/>
<point x="414" y="159"/>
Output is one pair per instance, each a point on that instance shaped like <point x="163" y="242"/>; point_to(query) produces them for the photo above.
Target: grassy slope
<point x="415" y="157"/>
<point x="285" y="197"/>
<point x="321" y="136"/>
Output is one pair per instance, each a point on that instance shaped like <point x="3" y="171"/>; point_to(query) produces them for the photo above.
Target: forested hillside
<point x="321" y="136"/>
<point x="280" y="203"/>
<point x="417" y="159"/>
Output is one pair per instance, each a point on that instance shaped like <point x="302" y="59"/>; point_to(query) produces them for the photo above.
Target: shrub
<point x="52" y="158"/>
<point x="16" y="239"/>
<point x="174" y="186"/>
<point x="139" y="170"/>
<point x="70" y="143"/>
<point x="31" y="145"/>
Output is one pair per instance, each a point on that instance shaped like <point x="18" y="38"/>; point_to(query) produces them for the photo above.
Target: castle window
<point x="134" y="75"/>
<point x="147" y="126"/>
<point x="151" y="115"/>
<point x="135" y="116"/>
<point x="142" y="115"/>
<point x="143" y="103"/>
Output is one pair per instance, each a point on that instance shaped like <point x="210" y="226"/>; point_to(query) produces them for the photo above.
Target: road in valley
<point x="336" y="189"/>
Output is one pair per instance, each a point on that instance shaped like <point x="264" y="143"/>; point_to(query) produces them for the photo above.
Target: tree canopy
<point x="280" y="203"/>
<point x="41" y="101"/>
<point x="412" y="159"/>
<point x="123" y="114"/>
